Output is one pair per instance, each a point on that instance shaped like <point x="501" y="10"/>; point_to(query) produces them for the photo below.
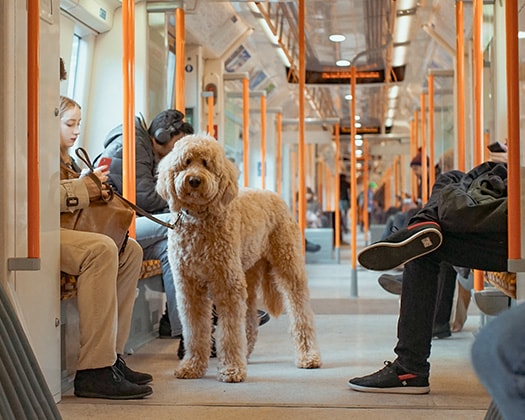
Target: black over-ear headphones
<point x="163" y="135"/>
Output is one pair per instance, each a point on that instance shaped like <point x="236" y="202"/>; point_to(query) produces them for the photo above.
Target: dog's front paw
<point x="310" y="360"/>
<point x="190" y="369"/>
<point x="231" y="374"/>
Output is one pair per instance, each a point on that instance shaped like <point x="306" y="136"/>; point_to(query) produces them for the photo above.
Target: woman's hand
<point x="102" y="173"/>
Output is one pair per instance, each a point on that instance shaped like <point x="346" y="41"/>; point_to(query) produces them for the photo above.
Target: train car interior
<point x="301" y="95"/>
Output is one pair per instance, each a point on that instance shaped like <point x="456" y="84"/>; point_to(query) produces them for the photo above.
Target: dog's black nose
<point x="194" y="181"/>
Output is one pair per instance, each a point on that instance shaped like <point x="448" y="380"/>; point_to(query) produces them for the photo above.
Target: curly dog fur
<point x="226" y="246"/>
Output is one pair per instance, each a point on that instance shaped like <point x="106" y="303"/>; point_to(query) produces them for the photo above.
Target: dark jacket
<point x="146" y="166"/>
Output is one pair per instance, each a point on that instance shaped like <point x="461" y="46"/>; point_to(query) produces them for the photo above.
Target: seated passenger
<point x="439" y="233"/>
<point x="106" y="284"/>
<point x="152" y="144"/>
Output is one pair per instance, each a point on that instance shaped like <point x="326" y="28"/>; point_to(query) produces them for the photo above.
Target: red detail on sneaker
<point x="406" y="376"/>
<point x="415" y="225"/>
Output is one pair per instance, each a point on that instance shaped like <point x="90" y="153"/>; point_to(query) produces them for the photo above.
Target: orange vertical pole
<point x="337" y="188"/>
<point x="424" y="165"/>
<point x="211" y="111"/>
<point x="180" y="54"/>
<point x="246" y="130"/>
<point x="431" y="147"/>
<point x="353" y="183"/>
<point x="460" y="84"/>
<point x="365" y="191"/>
<point x="33" y="143"/>
<point x="293" y="159"/>
<point x="414" y="146"/>
<point x="263" y="141"/>
<point x="128" y="126"/>
<point x="513" y="119"/>
<point x="302" y="83"/>
<point x="478" y="102"/>
<point x="279" y="152"/>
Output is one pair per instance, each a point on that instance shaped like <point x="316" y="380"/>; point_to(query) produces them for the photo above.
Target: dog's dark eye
<point x="204" y="163"/>
<point x="188" y="161"/>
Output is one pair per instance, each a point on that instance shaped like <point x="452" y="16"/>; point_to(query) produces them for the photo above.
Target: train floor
<point x="356" y="334"/>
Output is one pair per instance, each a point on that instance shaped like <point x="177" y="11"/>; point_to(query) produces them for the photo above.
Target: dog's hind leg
<point x="230" y="304"/>
<point x="289" y="275"/>
<point x="195" y="312"/>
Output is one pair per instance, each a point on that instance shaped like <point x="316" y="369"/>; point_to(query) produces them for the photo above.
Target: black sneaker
<point x="108" y="383"/>
<point x="402" y="246"/>
<point x="181" y="351"/>
<point x="392" y="379"/>
<point x="138" y="378"/>
<point x="441" y="331"/>
<point x="311" y="247"/>
<point x="391" y="283"/>
<point x="263" y="316"/>
<point x="164" y="326"/>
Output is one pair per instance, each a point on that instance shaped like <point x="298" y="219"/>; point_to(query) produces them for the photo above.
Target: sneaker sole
<point x="387" y="256"/>
<point x="414" y="390"/>
<point x="390" y="285"/>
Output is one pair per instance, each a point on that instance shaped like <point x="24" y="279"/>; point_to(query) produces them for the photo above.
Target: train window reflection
<point x="73" y="66"/>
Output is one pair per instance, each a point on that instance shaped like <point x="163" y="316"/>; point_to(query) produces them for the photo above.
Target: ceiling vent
<point x="93" y="13"/>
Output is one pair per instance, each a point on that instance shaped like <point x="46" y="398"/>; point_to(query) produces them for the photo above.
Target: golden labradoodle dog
<point x="227" y="244"/>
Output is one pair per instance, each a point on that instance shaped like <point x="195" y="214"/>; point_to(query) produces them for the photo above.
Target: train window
<point x="73" y="66"/>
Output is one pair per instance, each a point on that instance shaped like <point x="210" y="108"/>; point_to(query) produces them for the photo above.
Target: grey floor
<point x="356" y="334"/>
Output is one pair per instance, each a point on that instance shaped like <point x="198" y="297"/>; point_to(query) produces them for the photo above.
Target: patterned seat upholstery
<point x="68" y="282"/>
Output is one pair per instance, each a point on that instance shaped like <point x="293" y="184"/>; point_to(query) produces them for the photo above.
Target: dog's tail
<point x="272" y="298"/>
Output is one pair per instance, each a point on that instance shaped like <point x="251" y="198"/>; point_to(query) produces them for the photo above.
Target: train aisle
<point x="355" y="336"/>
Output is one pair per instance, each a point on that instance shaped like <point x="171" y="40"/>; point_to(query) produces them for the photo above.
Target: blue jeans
<point x="498" y="357"/>
<point x="153" y="238"/>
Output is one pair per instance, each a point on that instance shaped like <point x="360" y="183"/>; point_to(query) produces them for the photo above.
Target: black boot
<point x="164" y="326"/>
<point x="108" y="382"/>
<point x="138" y="378"/>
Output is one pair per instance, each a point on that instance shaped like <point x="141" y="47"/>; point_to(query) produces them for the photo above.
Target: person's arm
<point x="74" y="195"/>
<point x="147" y="196"/>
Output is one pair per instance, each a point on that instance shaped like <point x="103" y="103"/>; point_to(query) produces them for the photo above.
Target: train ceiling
<point x="397" y="41"/>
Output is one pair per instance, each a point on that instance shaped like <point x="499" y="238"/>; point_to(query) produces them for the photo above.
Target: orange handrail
<point x="337" y="187"/>
<point x="128" y="83"/>
<point x="180" y="54"/>
<point x="432" y="173"/>
<point x="353" y="172"/>
<point x="460" y="84"/>
<point x="365" y="190"/>
<point x="263" y="141"/>
<point x="302" y="86"/>
<point x="424" y="165"/>
<point x="279" y="152"/>
<point x="246" y="130"/>
<point x="513" y="119"/>
<point x="33" y="103"/>
<point x="478" y="102"/>
<point x="211" y="111"/>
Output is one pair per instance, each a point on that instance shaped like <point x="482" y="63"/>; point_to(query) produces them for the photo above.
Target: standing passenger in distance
<point x="106" y="285"/>
<point x="443" y="231"/>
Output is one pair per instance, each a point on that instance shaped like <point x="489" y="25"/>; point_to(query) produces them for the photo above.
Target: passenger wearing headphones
<point x="152" y="144"/>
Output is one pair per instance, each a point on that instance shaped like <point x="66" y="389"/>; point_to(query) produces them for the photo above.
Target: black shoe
<point x="108" y="383"/>
<point x="392" y="379"/>
<point x="138" y="378"/>
<point x="263" y="316"/>
<point x="164" y="326"/>
<point x="391" y="283"/>
<point x="441" y="331"/>
<point x="181" y="351"/>
<point x="311" y="247"/>
<point x="402" y="246"/>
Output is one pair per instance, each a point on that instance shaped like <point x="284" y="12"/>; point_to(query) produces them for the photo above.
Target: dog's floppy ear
<point x="166" y="182"/>
<point x="229" y="186"/>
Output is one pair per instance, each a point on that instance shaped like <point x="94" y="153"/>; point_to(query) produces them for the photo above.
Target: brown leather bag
<point x="111" y="216"/>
